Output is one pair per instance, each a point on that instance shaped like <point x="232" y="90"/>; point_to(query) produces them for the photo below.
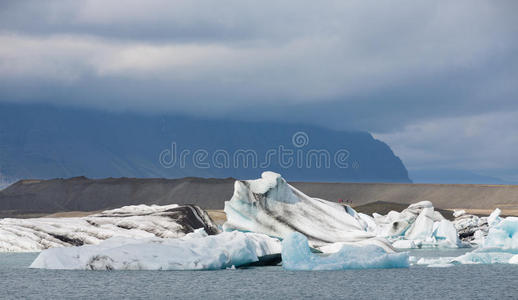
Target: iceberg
<point x="417" y="226"/>
<point x="422" y="227"/>
<point x="401" y="224"/>
<point x="406" y="244"/>
<point x="436" y="261"/>
<point x="503" y="235"/>
<point x="296" y="255"/>
<point x="473" y="229"/>
<point x="136" y="221"/>
<point x="513" y="260"/>
<point x="446" y="235"/>
<point x="271" y="206"/>
<point x="484" y="256"/>
<point x="500" y="246"/>
<point x="195" y="251"/>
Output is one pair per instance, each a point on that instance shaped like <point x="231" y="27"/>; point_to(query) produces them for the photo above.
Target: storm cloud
<point x="414" y="73"/>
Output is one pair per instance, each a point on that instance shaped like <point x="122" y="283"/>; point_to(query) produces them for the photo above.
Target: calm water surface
<point x="468" y="281"/>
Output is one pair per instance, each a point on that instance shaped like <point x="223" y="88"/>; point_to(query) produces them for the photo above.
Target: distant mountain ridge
<point x="42" y="141"/>
<point x="454" y="177"/>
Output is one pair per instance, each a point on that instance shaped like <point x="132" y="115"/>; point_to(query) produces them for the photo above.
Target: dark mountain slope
<point x="50" y="142"/>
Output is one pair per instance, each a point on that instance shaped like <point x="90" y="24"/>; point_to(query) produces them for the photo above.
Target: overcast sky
<point x="436" y="80"/>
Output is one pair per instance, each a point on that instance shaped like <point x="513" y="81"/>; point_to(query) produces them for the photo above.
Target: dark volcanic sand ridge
<point x="83" y="194"/>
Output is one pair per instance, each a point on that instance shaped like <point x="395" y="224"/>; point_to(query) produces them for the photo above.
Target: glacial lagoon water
<point x="463" y="281"/>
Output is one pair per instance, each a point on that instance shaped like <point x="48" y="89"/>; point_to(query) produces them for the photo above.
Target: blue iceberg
<point x="503" y="234"/>
<point x="499" y="247"/>
<point x="296" y="255"/>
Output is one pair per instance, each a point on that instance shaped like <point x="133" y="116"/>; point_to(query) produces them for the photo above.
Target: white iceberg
<point x="137" y="221"/>
<point x="195" y="251"/>
<point x="400" y="224"/>
<point x="271" y="206"/>
<point x="513" y="260"/>
<point x="446" y="235"/>
<point x="484" y="256"/>
<point x="417" y="226"/>
<point x="406" y="244"/>
<point x="296" y="255"/>
<point x="494" y="217"/>
<point x="422" y="227"/>
<point x="437" y="262"/>
<point x="336" y="247"/>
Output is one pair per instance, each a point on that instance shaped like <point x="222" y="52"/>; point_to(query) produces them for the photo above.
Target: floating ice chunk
<point x="420" y="225"/>
<point x="499" y="247"/>
<point x="446" y="234"/>
<point x="422" y="228"/>
<point x="435" y="261"/>
<point x="406" y="244"/>
<point x="471" y="228"/>
<point x="136" y="221"/>
<point x="479" y="237"/>
<point x="503" y="235"/>
<point x="335" y="247"/>
<point x="271" y="206"/>
<point x="195" y="251"/>
<point x="396" y="224"/>
<point x="514" y="259"/>
<point x="480" y="256"/>
<point x="296" y="255"/>
<point x="440" y="265"/>
<point x="494" y="217"/>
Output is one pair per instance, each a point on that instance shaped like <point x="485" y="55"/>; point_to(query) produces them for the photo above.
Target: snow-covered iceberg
<point x="296" y="255"/>
<point x="271" y="206"/>
<point x="195" y="251"/>
<point x="137" y="221"/>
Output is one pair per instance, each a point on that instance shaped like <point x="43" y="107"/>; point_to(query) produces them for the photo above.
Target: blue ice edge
<point x="297" y="256"/>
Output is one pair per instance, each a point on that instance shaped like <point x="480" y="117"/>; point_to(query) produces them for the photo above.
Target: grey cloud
<point x="380" y="66"/>
<point x="482" y="143"/>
